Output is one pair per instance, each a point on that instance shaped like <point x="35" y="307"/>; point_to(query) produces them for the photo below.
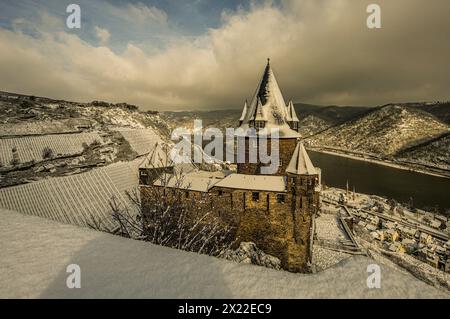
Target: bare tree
<point x="15" y="157"/>
<point x="172" y="215"/>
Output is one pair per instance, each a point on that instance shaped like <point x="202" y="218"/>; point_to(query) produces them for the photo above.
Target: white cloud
<point x="140" y="13"/>
<point x="102" y="34"/>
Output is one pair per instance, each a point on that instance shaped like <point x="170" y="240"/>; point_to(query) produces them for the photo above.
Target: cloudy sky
<point x="209" y="54"/>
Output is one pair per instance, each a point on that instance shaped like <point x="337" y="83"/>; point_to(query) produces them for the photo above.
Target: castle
<point x="275" y="211"/>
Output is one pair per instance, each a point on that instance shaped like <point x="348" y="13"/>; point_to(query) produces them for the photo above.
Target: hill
<point x="384" y="132"/>
<point x="333" y="114"/>
<point x="42" y="137"/>
<point x="433" y="153"/>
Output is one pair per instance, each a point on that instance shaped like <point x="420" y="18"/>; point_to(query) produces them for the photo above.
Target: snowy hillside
<point x="383" y="132"/>
<point x="25" y="115"/>
<point x="435" y="152"/>
<point x="312" y="124"/>
<point x="36" y="252"/>
<point x="42" y="138"/>
<point x="219" y="118"/>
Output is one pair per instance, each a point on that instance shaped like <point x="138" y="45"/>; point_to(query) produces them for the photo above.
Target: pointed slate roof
<point x="288" y="116"/>
<point x="244" y="112"/>
<point x="273" y="107"/>
<point x="260" y="115"/>
<point x="291" y="111"/>
<point x="300" y="163"/>
<point x="157" y="158"/>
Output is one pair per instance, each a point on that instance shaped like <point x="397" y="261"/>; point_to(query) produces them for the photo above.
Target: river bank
<point x="368" y="158"/>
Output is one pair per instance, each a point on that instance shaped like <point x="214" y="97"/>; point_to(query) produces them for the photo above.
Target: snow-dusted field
<point x="141" y="140"/>
<point x="74" y="199"/>
<point x="31" y="147"/>
<point x="35" y="253"/>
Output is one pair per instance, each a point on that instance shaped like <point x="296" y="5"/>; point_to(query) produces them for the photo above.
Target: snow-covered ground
<point x="35" y="252"/>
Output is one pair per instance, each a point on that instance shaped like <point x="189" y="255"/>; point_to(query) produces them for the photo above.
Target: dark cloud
<point x="321" y="51"/>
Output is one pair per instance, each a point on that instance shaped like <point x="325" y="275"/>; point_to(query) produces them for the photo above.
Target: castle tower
<point x="292" y="118"/>
<point x="303" y="185"/>
<point x="268" y="110"/>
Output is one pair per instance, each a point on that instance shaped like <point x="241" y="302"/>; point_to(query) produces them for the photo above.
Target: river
<point x="425" y="190"/>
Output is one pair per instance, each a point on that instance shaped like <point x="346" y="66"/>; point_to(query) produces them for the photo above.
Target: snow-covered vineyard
<point x="74" y="199"/>
<point x="31" y="148"/>
<point x="142" y="141"/>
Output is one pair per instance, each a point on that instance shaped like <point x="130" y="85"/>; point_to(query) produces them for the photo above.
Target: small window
<point x="187" y="194"/>
<point x="259" y="124"/>
<point x="255" y="196"/>
<point x="220" y="193"/>
<point x="280" y="198"/>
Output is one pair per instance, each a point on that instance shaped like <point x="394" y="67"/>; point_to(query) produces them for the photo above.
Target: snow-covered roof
<point x="157" y="158"/>
<point x="260" y="115"/>
<point x="244" y="111"/>
<point x="269" y="99"/>
<point x="300" y="163"/>
<point x="253" y="182"/>
<point x="200" y="181"/>
<point x="292" y="115"/>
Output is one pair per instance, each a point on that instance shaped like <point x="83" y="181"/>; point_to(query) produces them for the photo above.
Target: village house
<point x="275" y="211"/>
<point x="410" y="245"/>
<point x="391" y="235"/>
<point x="371" y="227"/>
<point x="435" y="223"/>
<point x="425" y="238"/>
<point x="378" y="235"/>
<point x="396" y="247"/>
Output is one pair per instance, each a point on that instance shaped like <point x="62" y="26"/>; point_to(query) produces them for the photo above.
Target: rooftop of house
<point x="200" y="181"/>
<point x="254" y="182"/>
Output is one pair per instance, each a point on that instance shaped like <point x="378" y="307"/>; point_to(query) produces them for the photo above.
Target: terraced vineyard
<point x="74" y="199"/>
<point x="31" y="148"/>
<point x="141" y="140"/>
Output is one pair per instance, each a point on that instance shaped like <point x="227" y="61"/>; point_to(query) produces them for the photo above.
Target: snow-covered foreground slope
<point x="35" y="253"/>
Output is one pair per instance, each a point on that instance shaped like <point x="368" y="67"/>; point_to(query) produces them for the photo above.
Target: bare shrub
<point x="15" y="157"/>
<point x="47" y="153"/>
<point x="170" y="216"/>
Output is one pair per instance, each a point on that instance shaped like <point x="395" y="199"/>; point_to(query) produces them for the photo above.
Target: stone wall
<point x="286" y="149"/>
<point x="281" y="227"/>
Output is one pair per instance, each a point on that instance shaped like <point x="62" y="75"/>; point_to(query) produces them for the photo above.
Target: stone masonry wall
<point x="281" y="229"/>
<point x="286" y="149"/>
